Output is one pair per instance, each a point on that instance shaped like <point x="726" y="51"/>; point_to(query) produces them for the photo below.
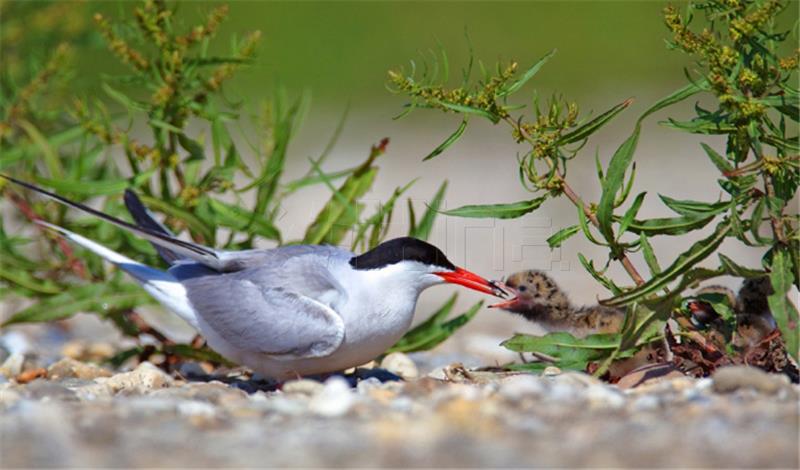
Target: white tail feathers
<point x="161" y="285"/>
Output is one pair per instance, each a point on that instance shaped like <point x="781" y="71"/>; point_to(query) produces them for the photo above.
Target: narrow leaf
<point x="422" y="230"/>
<point x="695" y="254"/>
<point x="497" y="211"/>
<point x="595" y="124"/>
<point x="449" y="141"/>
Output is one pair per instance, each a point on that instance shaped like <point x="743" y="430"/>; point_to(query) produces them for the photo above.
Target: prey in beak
<point x="510" y="303"/>
<point x="472" y="281"/>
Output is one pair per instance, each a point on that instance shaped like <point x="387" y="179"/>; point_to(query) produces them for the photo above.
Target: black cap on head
<point x="401" y="249"/>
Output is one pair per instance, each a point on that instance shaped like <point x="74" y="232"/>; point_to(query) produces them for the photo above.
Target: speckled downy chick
<point x="540" y="300"/>
<point x="754" y="321"/>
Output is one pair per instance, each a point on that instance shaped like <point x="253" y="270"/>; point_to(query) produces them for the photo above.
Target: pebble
<point x="518" y="387"/>
<point x="196" y="408"/>
<point x="603" y="396"/>
<point x="145" y="377"/>
<point x="646" y="403"/>
<point x="12" y="366"/>
<point x="334" y="400"/>
<point x="8" y="397"/>
<point x="69" y="367"/>
<point x="306" y="387"/>
<point x="732" y="378"/>
<point x="400" y="364"/>
<point x="41" y="389"/>
<point x="551" y="371"/>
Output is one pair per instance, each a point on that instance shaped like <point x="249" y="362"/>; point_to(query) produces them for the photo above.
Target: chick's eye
<point x="522" y="288"/>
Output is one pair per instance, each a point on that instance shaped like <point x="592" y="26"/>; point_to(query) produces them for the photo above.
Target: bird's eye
<point x="522" y="288"/>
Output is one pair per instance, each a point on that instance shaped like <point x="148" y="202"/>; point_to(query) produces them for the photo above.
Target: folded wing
<point x="272" y="320"/>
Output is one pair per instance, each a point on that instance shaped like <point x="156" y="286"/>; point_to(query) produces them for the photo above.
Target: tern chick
<point x="539" y="299"/>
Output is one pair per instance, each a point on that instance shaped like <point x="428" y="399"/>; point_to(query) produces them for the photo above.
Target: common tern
<point x="289" y="311"/>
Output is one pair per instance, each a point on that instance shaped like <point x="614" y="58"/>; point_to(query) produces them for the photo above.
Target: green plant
<point x="171" y="128"/>
<point x="739" y="64"/>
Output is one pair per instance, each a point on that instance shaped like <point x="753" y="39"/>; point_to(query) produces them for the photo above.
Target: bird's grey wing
<point x="218" y="260"/>
<point x="269" y="320"/>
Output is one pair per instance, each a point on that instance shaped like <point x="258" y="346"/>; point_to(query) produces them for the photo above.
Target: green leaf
<point x="232" y="216"/>
<point x="497" y="211"/>
<point x="51" y="160"/>
<point x="649" y="255"/>
<point x="781" y="277"/>
<point x="562" y="235"/>
<point x="696" y="253"/>
<point x="123" y="99"/>
<point x="627" y="219"/>
<point x="598" y="276"/>
<point x="734" y="269"/>
<point x="701" y="126"/>
<point x="449" y="141"/>
<point x="27" y="281"/>
<point x="337" y="216"/>
<point x="622" y="158"/>
<point x="98" y="298"/>
<point x="695" y="208"/>
<point x="670" y="225"/>
<point x="592" y="126"/>
<point x="722" y="164"/>
<point x="422" y="230"/>
<point x="568" y="351"/>
<point x="86" y="188"/>
<point x="530" y="73"/>
<point x="469" y="110"/>
<point x="612" y="183"/>
<point x="10" y="156"/>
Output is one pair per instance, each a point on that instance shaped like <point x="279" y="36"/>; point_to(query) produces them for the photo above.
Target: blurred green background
<point x="342" y="50"/>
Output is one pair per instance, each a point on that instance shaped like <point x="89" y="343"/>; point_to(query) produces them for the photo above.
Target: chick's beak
<point x="508" y="304"/>
<point x="472" y="281"/>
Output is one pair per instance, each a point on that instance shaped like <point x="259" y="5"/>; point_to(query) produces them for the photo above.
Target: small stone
<point x="145" y="377"/>
<point x="562" y="392"/>
<point x="306" y="387"/>
<point x="196" y="408"/>
<point x="551" y="371"/>
<point x="191" y="370"/>
<point x="518" y="387"/>
<point x="8" y="397"/>
<point x="12" y="366"/>
<point x="41" y="389"/>
<point x="31" y="375"/>
<point x="732" y="378"/>
<point x="646" y="402"/>
<point x="68" y="367"/>
<point x="603" y="396"/>
<point x="73" y="349"/>
<point x="336" y="399"/>
<point x="100" y="351"/>
<point x="400" y="364"/>
<point x="367" y="385"/>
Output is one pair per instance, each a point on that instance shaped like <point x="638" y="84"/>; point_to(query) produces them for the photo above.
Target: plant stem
<point x="578" y="202"/>
<point x="776" y="222"/>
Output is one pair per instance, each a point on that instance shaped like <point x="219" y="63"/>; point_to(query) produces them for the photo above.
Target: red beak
<point x="472" y="281"/>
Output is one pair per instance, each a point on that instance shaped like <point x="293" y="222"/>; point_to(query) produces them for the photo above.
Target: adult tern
<point x="288" y="311"/>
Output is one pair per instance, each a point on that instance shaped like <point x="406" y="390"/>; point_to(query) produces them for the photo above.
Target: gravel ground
<point x="81" y="415"/>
